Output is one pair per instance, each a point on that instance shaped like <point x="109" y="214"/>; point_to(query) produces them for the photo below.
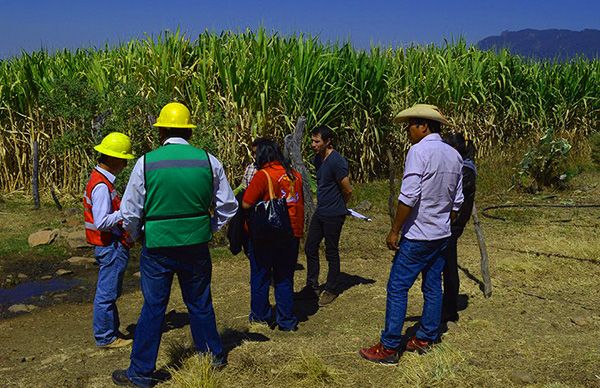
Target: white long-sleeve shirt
<point x="105" y="218"/>
<point x="132" y="204"/>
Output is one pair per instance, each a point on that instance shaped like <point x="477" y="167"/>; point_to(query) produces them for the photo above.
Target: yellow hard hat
<point x="117" y="145"/>
<point x="174" y="115"/>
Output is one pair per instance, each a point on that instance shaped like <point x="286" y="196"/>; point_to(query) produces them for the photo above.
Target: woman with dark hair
<point x="466" y="149"/>
<point x="277" y="259"/>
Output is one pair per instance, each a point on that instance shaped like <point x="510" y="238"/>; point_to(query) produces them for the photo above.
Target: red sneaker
<point x="378" y="353"/>
<point x="420" y="346"/>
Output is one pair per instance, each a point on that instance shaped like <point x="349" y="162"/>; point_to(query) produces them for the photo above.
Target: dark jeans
<point x="157" y="266"/>
<point x="414" y="257"/>
<point x="451" y="282"/>
<point x="275" y="261"/>
<point x="330" y="229"/>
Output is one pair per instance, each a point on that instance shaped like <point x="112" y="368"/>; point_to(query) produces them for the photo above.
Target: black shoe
<point x="270" y="324"/>
<point x="308" y="292"/>
<point x="119" y="377"/>
<point x="219" y="362"/>
<point x="291" y="330"/>
<point x="448" y="317"/>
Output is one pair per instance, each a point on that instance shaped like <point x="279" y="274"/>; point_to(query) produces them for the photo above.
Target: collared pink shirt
<point x="432" y="187"/>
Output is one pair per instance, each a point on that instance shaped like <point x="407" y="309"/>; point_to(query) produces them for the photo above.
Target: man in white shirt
<point x="103" y="229"/>
<point x="166" y="205"/>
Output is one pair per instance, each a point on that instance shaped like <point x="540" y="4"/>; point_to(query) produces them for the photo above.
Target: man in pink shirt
<point x="430" y="195"/>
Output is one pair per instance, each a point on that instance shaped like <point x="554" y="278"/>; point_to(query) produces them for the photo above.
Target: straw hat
<point x="422" y="111"/>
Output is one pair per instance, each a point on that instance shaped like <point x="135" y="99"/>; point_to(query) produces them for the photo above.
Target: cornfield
<point x="239" y="86"/>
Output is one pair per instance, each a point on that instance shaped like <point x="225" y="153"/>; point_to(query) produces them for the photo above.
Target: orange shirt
<point x="284" y="187"/>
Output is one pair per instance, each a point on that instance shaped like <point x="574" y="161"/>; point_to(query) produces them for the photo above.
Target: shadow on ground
<point x="306" y="301"/>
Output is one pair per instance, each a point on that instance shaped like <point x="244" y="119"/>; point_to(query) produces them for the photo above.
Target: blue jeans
<point x="276" y="261"/>
<point x="157" y="266"/>
<point x="414" y="257"/>
<point x="112" y="261"/>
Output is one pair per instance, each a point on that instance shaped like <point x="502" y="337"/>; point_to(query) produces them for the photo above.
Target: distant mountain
<point x="546" y="44"/>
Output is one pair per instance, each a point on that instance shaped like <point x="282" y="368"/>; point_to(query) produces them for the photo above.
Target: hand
<point x="392" y="240"/>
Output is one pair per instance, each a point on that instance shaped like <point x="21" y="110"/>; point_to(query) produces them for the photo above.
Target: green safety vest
<point x="179" y="192"/>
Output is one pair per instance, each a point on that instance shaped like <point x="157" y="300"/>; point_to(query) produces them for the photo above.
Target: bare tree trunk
<point x="392" y="199"/>
<point x="485" y="265"/>
<point x="35" y="181"/>
<point x="293" y="150"/>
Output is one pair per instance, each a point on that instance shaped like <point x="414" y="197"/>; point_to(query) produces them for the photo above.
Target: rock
<point x="78" y="260"/>
<point x="46" y="277"/>
<point x="22" y="308"/>
<point x="22" y="276"/>
<point x="63" y="272"/>
<point x="42" y="237"/>
<point x="76" y="239"/>
<point x="27" y="358"/>
<point x="452" y="326"/>
<point x="581" y="320"/>
<point x="137" y="274"/>
<point x="521" y="377"/>
<point x="73" y="222"/>
<point x="363" y="206"/>
<point x="59" y="296"/>
<point x="56" y="359"/>
<point x="73" y="211"/>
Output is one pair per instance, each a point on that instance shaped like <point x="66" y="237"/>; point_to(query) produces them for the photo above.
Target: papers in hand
<point x="358" y="215"/>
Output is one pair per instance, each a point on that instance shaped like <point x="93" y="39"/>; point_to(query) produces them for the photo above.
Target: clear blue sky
<point x="55" y="24"/>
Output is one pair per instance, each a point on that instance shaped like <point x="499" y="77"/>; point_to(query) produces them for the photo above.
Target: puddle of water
<point x="25" y="291"/>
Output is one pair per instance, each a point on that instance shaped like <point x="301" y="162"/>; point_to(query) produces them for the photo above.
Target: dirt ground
<point x="540" y="327"/>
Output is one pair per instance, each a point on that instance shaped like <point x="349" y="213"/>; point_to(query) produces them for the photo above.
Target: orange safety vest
<point x="92" y="234"/>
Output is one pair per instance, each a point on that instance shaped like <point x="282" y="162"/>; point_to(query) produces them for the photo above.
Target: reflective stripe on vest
<point x="179" y="191"/>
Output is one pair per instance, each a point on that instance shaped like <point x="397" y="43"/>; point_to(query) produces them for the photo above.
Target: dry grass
<point x="539" y="329"/>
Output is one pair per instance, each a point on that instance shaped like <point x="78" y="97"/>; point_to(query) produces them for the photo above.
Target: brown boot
<point x="118" y="343"/>
<point x="326" y="298"/>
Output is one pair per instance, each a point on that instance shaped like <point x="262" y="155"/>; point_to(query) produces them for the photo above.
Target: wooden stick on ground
<point x="485" y="265"/>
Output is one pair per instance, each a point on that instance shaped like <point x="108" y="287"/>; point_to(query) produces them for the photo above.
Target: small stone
<point x="56" y="359"/>
<point x="22" y="308"/>
<point x="581" y="321"/>
<point x="42" y="237"/>
<point x="63" y="272"/>
<point x="521" y="377"/>
<point x="363" y="206"/>
<point x="476" y="362"/>
<point x="73" y="211"/>
<point x="73" y="222"/>
<point x="22" y="276"/>
<point x="59" y="296"/>
<point x="77" y="239"/>
<point x="46" y="277"/>
<point x="78" y="260"/>
<point x="27" y="358"/>
<point x="137" y="274"/>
